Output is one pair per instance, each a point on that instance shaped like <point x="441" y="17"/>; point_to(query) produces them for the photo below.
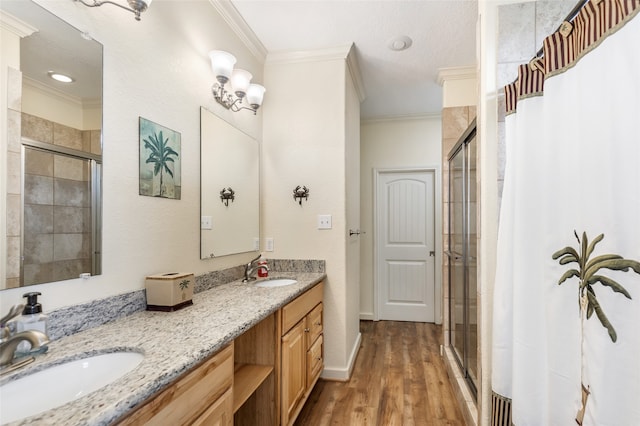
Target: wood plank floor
<point x="399" y="379"/>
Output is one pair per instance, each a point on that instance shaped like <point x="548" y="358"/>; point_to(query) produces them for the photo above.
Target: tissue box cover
<point x="170" y="291"/>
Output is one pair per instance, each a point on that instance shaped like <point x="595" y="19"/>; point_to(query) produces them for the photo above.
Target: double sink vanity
<point x="243" y="353"/>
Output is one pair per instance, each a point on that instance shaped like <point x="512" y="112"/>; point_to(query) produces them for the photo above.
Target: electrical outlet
<point x="269" y="244"/>
<point x="324" y="221"/>
<point x="206" y="222"/>
<point x="256" y="244"/>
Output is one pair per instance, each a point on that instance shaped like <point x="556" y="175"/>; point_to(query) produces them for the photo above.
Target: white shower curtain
<point x="573" y="164"/>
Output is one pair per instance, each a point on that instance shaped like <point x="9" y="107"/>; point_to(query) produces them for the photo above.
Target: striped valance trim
<point x="500" y="410"/>
<point x="562" y="49"/>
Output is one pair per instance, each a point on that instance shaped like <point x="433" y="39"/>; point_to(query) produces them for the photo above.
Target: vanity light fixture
<point x="135" y="6"/>
<point x="222" y="63"/>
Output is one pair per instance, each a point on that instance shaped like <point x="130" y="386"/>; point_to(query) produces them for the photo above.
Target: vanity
<point x="241" y="354"/>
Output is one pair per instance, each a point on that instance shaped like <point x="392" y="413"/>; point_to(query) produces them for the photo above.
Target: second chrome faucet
<point x="251" y="268"/>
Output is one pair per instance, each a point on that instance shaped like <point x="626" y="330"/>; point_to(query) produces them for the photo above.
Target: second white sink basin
<point x="59" y="384"/>
<point x="276" y="282"/>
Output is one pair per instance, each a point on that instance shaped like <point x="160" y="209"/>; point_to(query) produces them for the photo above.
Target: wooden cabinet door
<point x="220" y="413"/>
<point x="294" y="354"/>
<point x="314" y="325"/>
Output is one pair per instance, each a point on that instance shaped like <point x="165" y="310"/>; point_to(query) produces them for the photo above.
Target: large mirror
<point x="229" y="188"/>
<point x="53" y="230"/>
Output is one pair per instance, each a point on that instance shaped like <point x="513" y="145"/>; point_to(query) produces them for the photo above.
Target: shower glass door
<point x="461" y="254"/>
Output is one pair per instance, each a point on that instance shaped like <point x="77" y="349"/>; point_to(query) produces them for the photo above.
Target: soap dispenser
<point x="32" y="318"/>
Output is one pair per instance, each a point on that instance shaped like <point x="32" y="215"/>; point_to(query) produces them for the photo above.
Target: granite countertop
<point x="172" y="343"/>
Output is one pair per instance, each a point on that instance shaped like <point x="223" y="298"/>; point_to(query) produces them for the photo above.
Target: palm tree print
<point x="184" y="284"/>
<point x="587" y="274"/>
<point x="160" y="156"/>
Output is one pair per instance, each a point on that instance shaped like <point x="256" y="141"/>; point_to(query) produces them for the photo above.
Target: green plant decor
<point x="587" y="273"/>
<point x="160" y="156"/>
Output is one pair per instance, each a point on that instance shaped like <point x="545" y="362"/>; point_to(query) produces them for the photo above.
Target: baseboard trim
<point x="343" y="374"/>
<point x="367" y="316"/>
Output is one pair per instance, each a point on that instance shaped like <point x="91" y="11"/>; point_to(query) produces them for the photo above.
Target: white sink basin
<point x="59" y="384"/>
<point x="276" y="282"/>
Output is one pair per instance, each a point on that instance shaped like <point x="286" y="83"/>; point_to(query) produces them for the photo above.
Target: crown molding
<point x="455" y="73"/>
<point x="16" y="26"/>
<point x="240" y="27"/>
<point x="50" y="91"/>
<point x="297" y="56"/>
<point x="354" y="70"/>
<point x="405" y="117"/>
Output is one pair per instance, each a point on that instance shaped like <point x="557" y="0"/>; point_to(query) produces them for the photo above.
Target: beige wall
<point x="308" y="142"/>
<point x="146" y="235"/>
<point x="386" y="144"/>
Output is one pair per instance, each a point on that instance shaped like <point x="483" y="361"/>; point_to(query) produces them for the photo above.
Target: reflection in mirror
<point x="54" y="166"/>
<point x="229" y="188"/>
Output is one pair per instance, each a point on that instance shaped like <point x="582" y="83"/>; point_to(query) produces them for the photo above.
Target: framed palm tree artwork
<point x="160" y="160"/>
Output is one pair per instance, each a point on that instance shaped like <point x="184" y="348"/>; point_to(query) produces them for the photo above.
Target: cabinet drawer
<point x="183" y="401"/>
<point x="314" y="325"/>
<point x="314" y="362"/>
<point x="300" y="307"/>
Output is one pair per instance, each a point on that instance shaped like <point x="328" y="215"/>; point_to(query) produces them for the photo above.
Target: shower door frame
<point x="462" y="359"/>
<point x="95" y="164"/>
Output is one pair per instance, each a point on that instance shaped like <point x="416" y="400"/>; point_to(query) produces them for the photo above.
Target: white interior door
<point x="405" y="245"/>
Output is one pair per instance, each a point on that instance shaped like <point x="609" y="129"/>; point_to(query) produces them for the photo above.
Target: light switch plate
<point x="256" y="244"/>
<point x="206" y="222"/>
<point x="324" y="221"/>
<point x="269" y="244"/>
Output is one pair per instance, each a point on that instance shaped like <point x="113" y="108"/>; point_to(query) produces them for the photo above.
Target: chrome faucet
<point x="251" y="268"/>
<point x="38" y="341"/>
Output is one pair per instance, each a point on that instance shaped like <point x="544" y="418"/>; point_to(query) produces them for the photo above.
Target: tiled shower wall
<point x="57" y="225"/>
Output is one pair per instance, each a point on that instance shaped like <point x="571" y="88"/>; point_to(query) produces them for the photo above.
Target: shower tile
<point x="507" y="73"/>
<point x="14" y="163"/>
<point x="38" y="219"/>
<point x="516" y="32"/>
<point x="86" y="246"/>
<point x="549" y="16"/>
<point x="67" y="136"/>
<point x="67" y="246"/>
<point x="14" y="222"/>
<point x="38" y="189"/>
<point x="38" y="248"/>
<point x="14" y="131"/>
<point x="454" y="122"/>
<point x="12" y="282"/>
<point x="14" y="89"/>
<point x="68" y="219"/>
<point x="473" y="113"/>
<point x="13" y="257"/>
<point x="37" y="128"/>
<point x="86" y="140"/>
<point x="39" y="163"/>
<point x="70" y="193"/>
<point x="38" y="273"/>
<point x="67" y="269"/>
<point x="69" y="168"/>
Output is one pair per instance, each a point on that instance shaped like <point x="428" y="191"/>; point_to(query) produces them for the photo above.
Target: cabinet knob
<point x="318" y="323"/>
<point x="306" y="330"/>
<point x="319" y="358"/>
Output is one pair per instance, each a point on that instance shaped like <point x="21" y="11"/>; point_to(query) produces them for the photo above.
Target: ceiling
<point x="396" y="83"/>
<point x="57" y="46"/>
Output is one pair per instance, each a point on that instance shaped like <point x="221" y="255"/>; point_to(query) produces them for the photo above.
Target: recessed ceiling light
<point x="60" y="77"/>
<point x="399" y="43"/>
